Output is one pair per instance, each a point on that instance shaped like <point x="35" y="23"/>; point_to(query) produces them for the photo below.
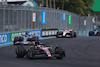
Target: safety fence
<point x="19" y="18"/>
<point x="15" y="19"/>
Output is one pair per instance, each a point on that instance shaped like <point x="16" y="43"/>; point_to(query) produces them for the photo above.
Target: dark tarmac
<point x="80" y="52"/>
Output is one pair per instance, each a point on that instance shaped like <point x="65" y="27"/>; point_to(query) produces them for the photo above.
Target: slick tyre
<point x="57" y="34"/>
<point x="74" y="34"/>
<point x="31" y="52"/>
<point x="90" y="34"/>
<point x="58" y="50"/>
<point x="20" y="51"/>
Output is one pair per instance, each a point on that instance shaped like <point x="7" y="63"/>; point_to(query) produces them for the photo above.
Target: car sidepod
<point x="46" y="51"/>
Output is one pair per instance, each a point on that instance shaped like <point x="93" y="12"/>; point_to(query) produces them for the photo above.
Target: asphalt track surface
<point x="80" y="52"/>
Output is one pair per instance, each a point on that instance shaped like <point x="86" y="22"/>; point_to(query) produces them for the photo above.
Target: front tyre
<point x="31" y="52"/>
<point x="58" y="50"/>
<point x="57" y="35"/>
<point x="20" y="51"/>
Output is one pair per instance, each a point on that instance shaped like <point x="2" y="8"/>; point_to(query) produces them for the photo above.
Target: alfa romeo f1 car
<point x="94" y="33"/>
<point x="39" y="51"/>
<point x="25" y="39"/>
<point x="66" y="33"/>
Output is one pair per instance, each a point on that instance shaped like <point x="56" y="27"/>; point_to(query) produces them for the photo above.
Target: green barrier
<point x="98" y="27"/>
<point x="84" y="33"/>
<point x="69" y="19"/>
<point x="60" y="30"/>
<point x="91" y="29"/>
<point x="15" y="34"/>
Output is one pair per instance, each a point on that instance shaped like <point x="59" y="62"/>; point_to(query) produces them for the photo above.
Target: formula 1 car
<point x="25" y="39"/>
<point x="66" y="33"/>
<point x="94" y="32"/>
<point x="39" y="51"/>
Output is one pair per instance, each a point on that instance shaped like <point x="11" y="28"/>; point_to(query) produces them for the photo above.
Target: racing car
<point x="25" y="39"/>
<point x="39" y="50"/>
<point x="94" y="32"/>
<point x="66" y="33"/>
